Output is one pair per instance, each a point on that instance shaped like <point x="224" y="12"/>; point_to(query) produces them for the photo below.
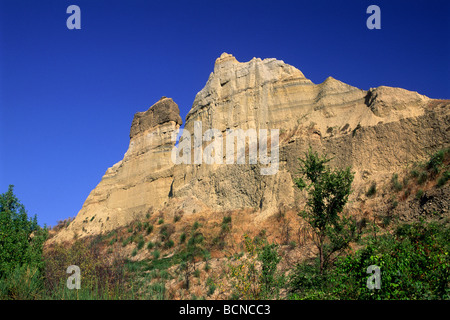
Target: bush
<point x="195" y="226"/>
<point x="149" y="229"/>
<point x="443" y="179"/>
<point x="372" y="190"/>
<point x="226" y="219"/>
<point x="211" y="286"/>
<point x="414" y="264"/>
<point x="140" y="244"/>
<point x="166" y="231"/>
<point x="414" y="173"/>
<point x="436" y="161"/>
<point x="396" y="185"/>
<point x="169" y="244"/>
<point x="419" y="194"/>
<point x="423" y="176"/>
<point x="156" y="254"/>
<point x="254" y="275"/>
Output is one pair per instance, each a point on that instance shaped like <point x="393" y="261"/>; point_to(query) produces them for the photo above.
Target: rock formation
<point x="376" y="132"/>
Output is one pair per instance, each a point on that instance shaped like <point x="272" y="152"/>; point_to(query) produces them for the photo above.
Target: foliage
<point x="21" y="245"/>
<point x="254" y="275"/>
<point x="444" y="178"/>
<point x="396" y="185"/>
<point x="21" y="238"/>
<point x="435" y="162"/>
<point x="414" y="263"/>
<point x="193" y="250"/>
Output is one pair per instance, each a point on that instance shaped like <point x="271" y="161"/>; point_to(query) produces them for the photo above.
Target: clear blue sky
<point x="67" y="97"/>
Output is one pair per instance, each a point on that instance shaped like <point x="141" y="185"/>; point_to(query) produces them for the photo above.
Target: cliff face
<point x="376" y="132"/>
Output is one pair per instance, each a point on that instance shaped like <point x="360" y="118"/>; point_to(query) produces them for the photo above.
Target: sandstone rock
<point x="163" y="111"/>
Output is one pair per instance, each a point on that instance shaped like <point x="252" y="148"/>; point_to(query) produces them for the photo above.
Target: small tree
<point x="328" y="192"/>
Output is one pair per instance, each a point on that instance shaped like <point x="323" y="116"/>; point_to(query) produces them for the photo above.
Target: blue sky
<point x="67" y="97"/>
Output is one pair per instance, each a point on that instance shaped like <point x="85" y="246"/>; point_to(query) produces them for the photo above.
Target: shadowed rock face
<point x="376" y="132"/>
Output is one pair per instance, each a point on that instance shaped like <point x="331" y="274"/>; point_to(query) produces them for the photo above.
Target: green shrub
<point x="160" y="221"/>
<point x="414" y="264"/>
<point x="140" y="244"/>
<point x="195" y="226"/>
<point x="211" y="286"/>
<point x="396" y="185"/>
<point x="182" y="237"/>
<point x="443" y="179"/>
<point x="372" y="190"/>
<point x="414" y="173"/>
<point x="394" y="204"/>
<point x="226" y="219"/>
<point x="149" y="229"/>
<point x="150" y="245"/>
<point x="423" y="176"/>
<point x="156" y="254"/>
<point x="112" y="241"/>
<point x="169" y="244"/>
<point x="419" y="194"/>
<point x="126" y="241"/>
<point x="436" y="161"/>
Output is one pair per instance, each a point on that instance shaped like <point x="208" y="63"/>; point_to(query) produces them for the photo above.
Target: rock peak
<point x="225" y="59"/>
<point x="163" y="111"/>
